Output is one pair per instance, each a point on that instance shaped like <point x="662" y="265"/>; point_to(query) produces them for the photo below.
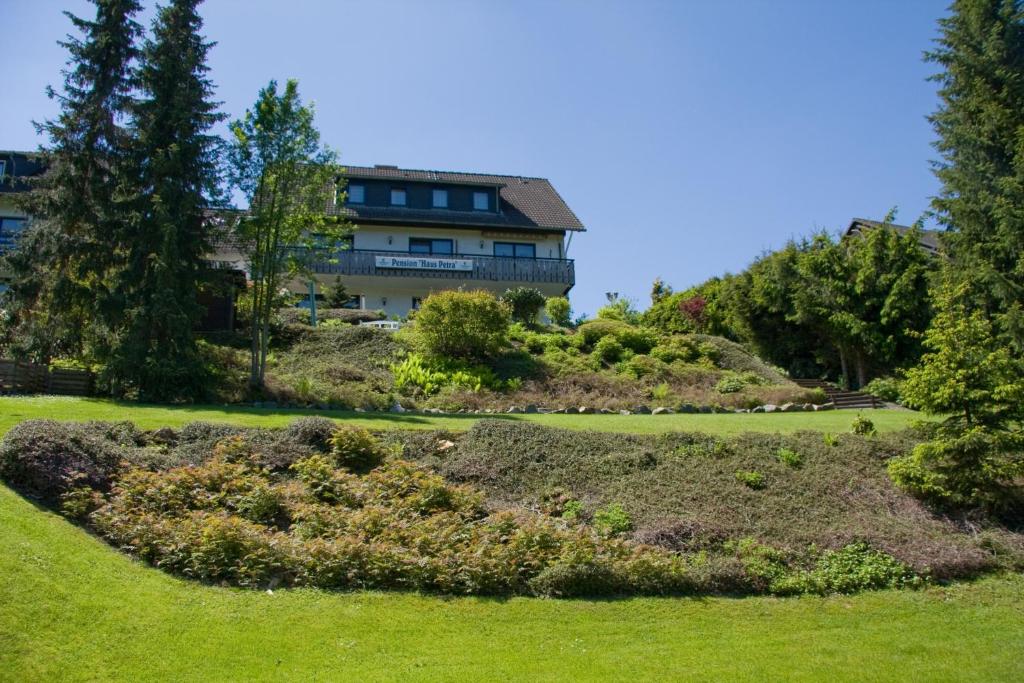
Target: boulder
<point x="662" y="411"/>
<point x="586" y="410"/>
<point x="770" y="408"/>
<point x="687" y="408"/>
<point x="826" y="406"/>
<point x="397" y="408"/>
<point x="642" y="410"/>
<point x="515" y="410"/>
<point x="757" y="409"/>
<point x="789" y="408"/>
<point x="531" y="409"/>
<point x="706" y="410"/>
<point x="625" y="412"/>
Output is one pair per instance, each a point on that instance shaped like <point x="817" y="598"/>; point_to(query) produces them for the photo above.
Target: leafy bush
<point x="573" y="509"/>
<point x="608" y="350"/>
<point x="886" y="388"/>
<point x="855" y="567"/>
<point x="619" y="309"/>
<point x="525" y="303"/>
<point x="45" y="459"/>
<point x="863" y="426"/>
<point x="464" y="325"/>
<point x="750" y="479"/>
<point x="558" y="310"/>
<point x="638" y="340"/>
<point x="356" y="449"/>
<point x="428" y="376"/>
<point x="676" y="348"/>
<point x="789" y="457"/>
<point x="729" y="385"/>
<point x="612" y="520"/>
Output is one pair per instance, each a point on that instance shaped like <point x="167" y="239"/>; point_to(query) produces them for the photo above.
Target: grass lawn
<point x="16" y="409"/>
<point x="71" y="608"/>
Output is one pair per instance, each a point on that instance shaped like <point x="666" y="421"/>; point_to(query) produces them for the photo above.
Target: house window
<point x="10" y="228"/>
<point x="421" y="245"/>
<point x="354" y="302"/>
<point x="397" y="197"/>
<point x="440" y="199"/>
<point x="356" y="194"/>
<point x="515" y="249"/>
<point x="481" y="202"/>
<point x="3" y="167"/>
<point x="417" y="301"/>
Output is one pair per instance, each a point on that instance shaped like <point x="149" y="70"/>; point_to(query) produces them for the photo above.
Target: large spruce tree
<point x="980" y="124"/>
<point x="175" y="157"/>
<point x="61" y="287"/>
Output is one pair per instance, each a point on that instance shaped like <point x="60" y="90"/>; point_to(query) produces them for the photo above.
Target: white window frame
<point x="443" y="195"/>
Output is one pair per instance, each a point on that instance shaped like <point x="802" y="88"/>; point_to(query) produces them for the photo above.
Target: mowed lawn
<point x="71" y="608"/>
<point x="16" y="409"/>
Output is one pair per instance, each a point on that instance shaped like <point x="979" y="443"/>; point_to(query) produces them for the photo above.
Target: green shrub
<point x="863" y="426"/>
<point x="676" y="348"/>
<point x="855" y="567"/>
<point x="886" y="388"/>
<point x="525" y="303"/>
<point x="464" y="325"/>
<point x="830" y="440"/>
<point x="789" y="457"/>
<point x="577" y="579"/>
<point x="356" y="449"/>
<point x="612" y="520"/>
<point x="608" y="350"/>
<point x="729" y="385"/>
<point x="572" y="509"/>
<point x="558" y="310"/>
<point x="752" y="480"/>
<point x="428" y="376"/>
<point x="315" y="432"/>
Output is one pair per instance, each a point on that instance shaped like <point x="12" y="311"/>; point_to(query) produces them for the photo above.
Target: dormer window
<point x="440" y="199"/>
<point x="356" y="194"/>
<point x="3" y="167"/>
<point x="397" y="197"/>
<point x="481" y="201"/>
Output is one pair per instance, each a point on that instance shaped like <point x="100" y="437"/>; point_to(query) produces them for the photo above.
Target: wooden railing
<point x="488" y="268"/>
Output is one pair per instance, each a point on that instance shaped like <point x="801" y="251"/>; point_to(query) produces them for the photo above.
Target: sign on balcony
<point x="424" y="263"/>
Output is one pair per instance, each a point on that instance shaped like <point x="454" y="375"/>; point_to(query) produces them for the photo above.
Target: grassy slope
<point x="72" y="608"/>
<point x="15" y="409"/>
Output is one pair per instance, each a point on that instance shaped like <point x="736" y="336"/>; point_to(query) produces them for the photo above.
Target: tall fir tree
<point x="980" y="127"/>
<point x="155" y="355"/>
<point x="61" y="288"/>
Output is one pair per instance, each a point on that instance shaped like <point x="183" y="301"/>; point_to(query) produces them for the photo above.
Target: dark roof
<point x="526" y="203"/>
<point x="17" y="167"/>
<point x="930" y="239"/>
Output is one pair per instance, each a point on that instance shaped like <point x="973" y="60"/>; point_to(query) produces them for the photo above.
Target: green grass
<point x="72" y="608"/>
<point x="15" y="409"/>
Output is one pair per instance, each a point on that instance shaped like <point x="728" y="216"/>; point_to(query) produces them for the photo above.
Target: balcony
<point x="403" y="264"/>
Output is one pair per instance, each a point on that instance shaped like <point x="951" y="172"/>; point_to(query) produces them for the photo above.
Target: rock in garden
<point x="642" y="410"/>
<point x="514" y="410"/>
<point x="397" y="408"/>
<point x="531" y="409"/>
<point x="662" y="411"/>
<point x="770" y="408"/>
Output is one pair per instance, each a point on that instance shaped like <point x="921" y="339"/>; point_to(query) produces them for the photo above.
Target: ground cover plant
<point x="73" y="608"/>
<point x="504" y="508"/>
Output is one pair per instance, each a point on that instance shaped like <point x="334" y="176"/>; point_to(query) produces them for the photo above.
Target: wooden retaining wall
<point x="18" y="377"/>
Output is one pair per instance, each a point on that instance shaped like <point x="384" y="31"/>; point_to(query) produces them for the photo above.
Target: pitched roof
<point x="526" y="203"/>
<point x="930" y="239"/>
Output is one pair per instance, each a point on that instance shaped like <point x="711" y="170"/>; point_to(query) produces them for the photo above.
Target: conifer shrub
<point x="355" y="448"/>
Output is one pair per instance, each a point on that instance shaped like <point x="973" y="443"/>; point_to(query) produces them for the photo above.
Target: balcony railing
<point x="488" y="268"/>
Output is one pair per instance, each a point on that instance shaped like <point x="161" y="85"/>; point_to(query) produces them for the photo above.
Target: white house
<point x="425" y="231"/>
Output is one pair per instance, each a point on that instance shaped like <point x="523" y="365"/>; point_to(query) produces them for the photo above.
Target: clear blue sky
<point x="688" y="136"/>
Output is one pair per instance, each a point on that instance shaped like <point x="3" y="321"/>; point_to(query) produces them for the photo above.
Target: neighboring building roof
<point x="525" y="203"/>
<point x="930" y="240"/>
<point x="17" y="167"/>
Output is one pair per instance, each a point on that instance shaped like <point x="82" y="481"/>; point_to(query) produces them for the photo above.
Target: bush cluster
<point x="395" y="526"/>
<point x="463" y="325"/>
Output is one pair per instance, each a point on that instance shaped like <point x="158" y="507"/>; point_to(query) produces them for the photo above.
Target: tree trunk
<point x="845" y="368"/>
<point x="862" y="370"/>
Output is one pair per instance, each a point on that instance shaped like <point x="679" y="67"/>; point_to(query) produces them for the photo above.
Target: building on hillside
<point x="16" y="169"/>
<point x="929" y="238"/>
<point x="424" y="231"/>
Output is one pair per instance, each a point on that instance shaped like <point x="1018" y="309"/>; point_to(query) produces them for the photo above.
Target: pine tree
<point x="61" y="285"/>
<point x="176" y="160"/>
<point x="980" y="124"/>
